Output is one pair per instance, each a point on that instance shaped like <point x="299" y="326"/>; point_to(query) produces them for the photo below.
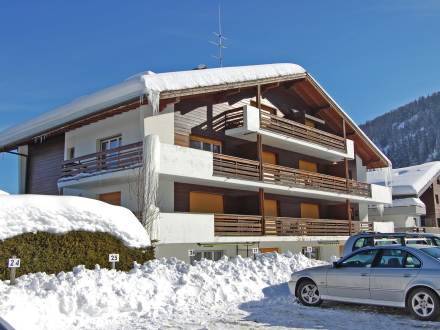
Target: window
<point x="198" y="142"/>
<point x="361" y="259"/>
<point x="271" y="207"/>
<point x="210" y="255"/>
<point x="269" y="157"/>
<point x="110" y="143"/>
<point x="202" y="202"/>
<point x="310" y="211"/>
<point x="412" y="262"/>
<point x="391" y="258"/>
<point x="113" y="198"/>
<point x="436" y="199"/>
<point x="307" y="166"/>
<point x="309" y="123"/>
<point x="394" y="258"/>
<point x="314" y="254"/>
<point x="362" y="242"/>
<point x="438" y="222"/>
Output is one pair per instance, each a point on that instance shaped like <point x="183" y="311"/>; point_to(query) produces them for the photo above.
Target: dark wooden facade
<point x="44" y="166"/>
<point x="431" y="198"/>
<point x="246" y="202"/>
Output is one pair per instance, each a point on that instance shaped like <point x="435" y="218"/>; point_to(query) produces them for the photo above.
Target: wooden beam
<point x="348" y="206"/>
<point x="268" y="87"/>
<point x="260" y="155"/>
<point x="261" y="204"/>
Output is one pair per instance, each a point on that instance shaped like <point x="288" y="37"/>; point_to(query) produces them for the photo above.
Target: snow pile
<point x="2" y="192"/>
<point x="413" y="179"/>
<point x="59" y="214"/>
<point x="153" y="294"/>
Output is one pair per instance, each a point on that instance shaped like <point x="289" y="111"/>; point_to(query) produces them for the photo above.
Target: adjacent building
<point x="243" y="158"/>
<point x="416" y="205"/>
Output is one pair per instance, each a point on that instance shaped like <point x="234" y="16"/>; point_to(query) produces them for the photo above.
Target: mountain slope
<point x="410" y="134"/>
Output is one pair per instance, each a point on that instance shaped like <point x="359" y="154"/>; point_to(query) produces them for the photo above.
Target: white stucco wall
<point x="85" y="139"/>
<point x="196" y="166"/>
<point x="128" y="193"/>
<point x="161" y="124"/>
<point x="185" y="228"/>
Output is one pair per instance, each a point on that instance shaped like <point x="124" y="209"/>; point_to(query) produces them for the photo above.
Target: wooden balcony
<point x="235" y="167"/>
<point x="252" y="225"/>
<point x="235" y="118"/>
<point x="116" y="159"/>
<point x="296" y="130"/>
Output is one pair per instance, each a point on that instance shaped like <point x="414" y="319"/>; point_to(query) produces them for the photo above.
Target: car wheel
<point x="308" y="294"/>
<point x="424" y="304"/>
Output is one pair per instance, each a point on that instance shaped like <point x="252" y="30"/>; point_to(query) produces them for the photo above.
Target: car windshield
<point x="432" y="251"/>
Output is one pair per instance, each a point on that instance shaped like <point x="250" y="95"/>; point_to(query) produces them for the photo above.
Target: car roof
<point x="395" y="247"/>
<point x="400" y="234"/>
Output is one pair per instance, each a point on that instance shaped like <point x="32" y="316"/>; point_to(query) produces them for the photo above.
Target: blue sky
<point x="371" y="56"/>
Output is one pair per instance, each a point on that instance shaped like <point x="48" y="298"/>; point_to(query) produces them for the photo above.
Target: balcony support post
<point x="348" y="206"/>
<point x="259" y="100"/>
<point x="344" y="133"/>
<point x="261" y="204"/>
<point x="260" y="156"/>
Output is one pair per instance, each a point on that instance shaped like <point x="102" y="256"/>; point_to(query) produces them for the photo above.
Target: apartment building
<point x="253" y="157"/>
<point x="416" y="202"/>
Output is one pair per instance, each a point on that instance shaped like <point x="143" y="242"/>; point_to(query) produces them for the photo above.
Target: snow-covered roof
<point x="21" y="214"/>
<point x="153" y="85"/>
<point x="413" y="180"/>
<point x="145" y="83"/>
<point x="409" y="201"/>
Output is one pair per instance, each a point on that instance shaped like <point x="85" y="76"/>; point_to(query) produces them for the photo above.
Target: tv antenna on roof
<point x="220" y="39"/>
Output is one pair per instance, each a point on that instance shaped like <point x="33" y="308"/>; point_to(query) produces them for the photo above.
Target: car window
<point x="360" y="243"/>
<point x="360" y="259"/>
<point x="391" y="258"/>
<point x="436" y="240"/>
<point x="411" y="261"/>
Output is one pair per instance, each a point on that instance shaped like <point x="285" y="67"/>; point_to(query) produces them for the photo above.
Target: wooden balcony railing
<point x="237" y="225"/>
<point x="235" y="118"/>
<point x="114" y="159"/>
<point x="229" y="119"/>
<point x="236" y="167"/>
<point x="300" y="131"/>
<point x="241" y="168"/>
<point x="252" y="225"/>
<point x="292" y="177"/>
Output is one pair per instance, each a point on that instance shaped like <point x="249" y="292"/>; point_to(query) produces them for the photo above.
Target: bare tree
<point x="146" y="184"/>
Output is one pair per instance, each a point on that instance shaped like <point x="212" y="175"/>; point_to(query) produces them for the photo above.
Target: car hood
<point x="312" y="270"/>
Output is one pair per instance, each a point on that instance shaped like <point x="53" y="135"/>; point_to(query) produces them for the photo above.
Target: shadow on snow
<point x="279" y="308"/>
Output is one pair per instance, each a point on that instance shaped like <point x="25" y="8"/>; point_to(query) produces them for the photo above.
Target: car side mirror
<point x="335" y="264"/>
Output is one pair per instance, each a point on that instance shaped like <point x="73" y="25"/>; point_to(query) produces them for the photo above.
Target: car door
<point x="393" y="270"/>
<point x="350" y="278"/>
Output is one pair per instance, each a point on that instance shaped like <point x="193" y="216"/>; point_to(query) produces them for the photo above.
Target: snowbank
<point x="154" y="294"/>
<point x="21" y="214"/>
<point x="3" y="193"/>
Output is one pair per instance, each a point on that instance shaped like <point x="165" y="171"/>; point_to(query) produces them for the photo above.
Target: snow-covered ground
<point x="59" y="214"/>
<point x="167" y="293"/>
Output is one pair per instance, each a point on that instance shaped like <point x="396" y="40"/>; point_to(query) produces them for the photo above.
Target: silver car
<point x="395" y="275"/>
